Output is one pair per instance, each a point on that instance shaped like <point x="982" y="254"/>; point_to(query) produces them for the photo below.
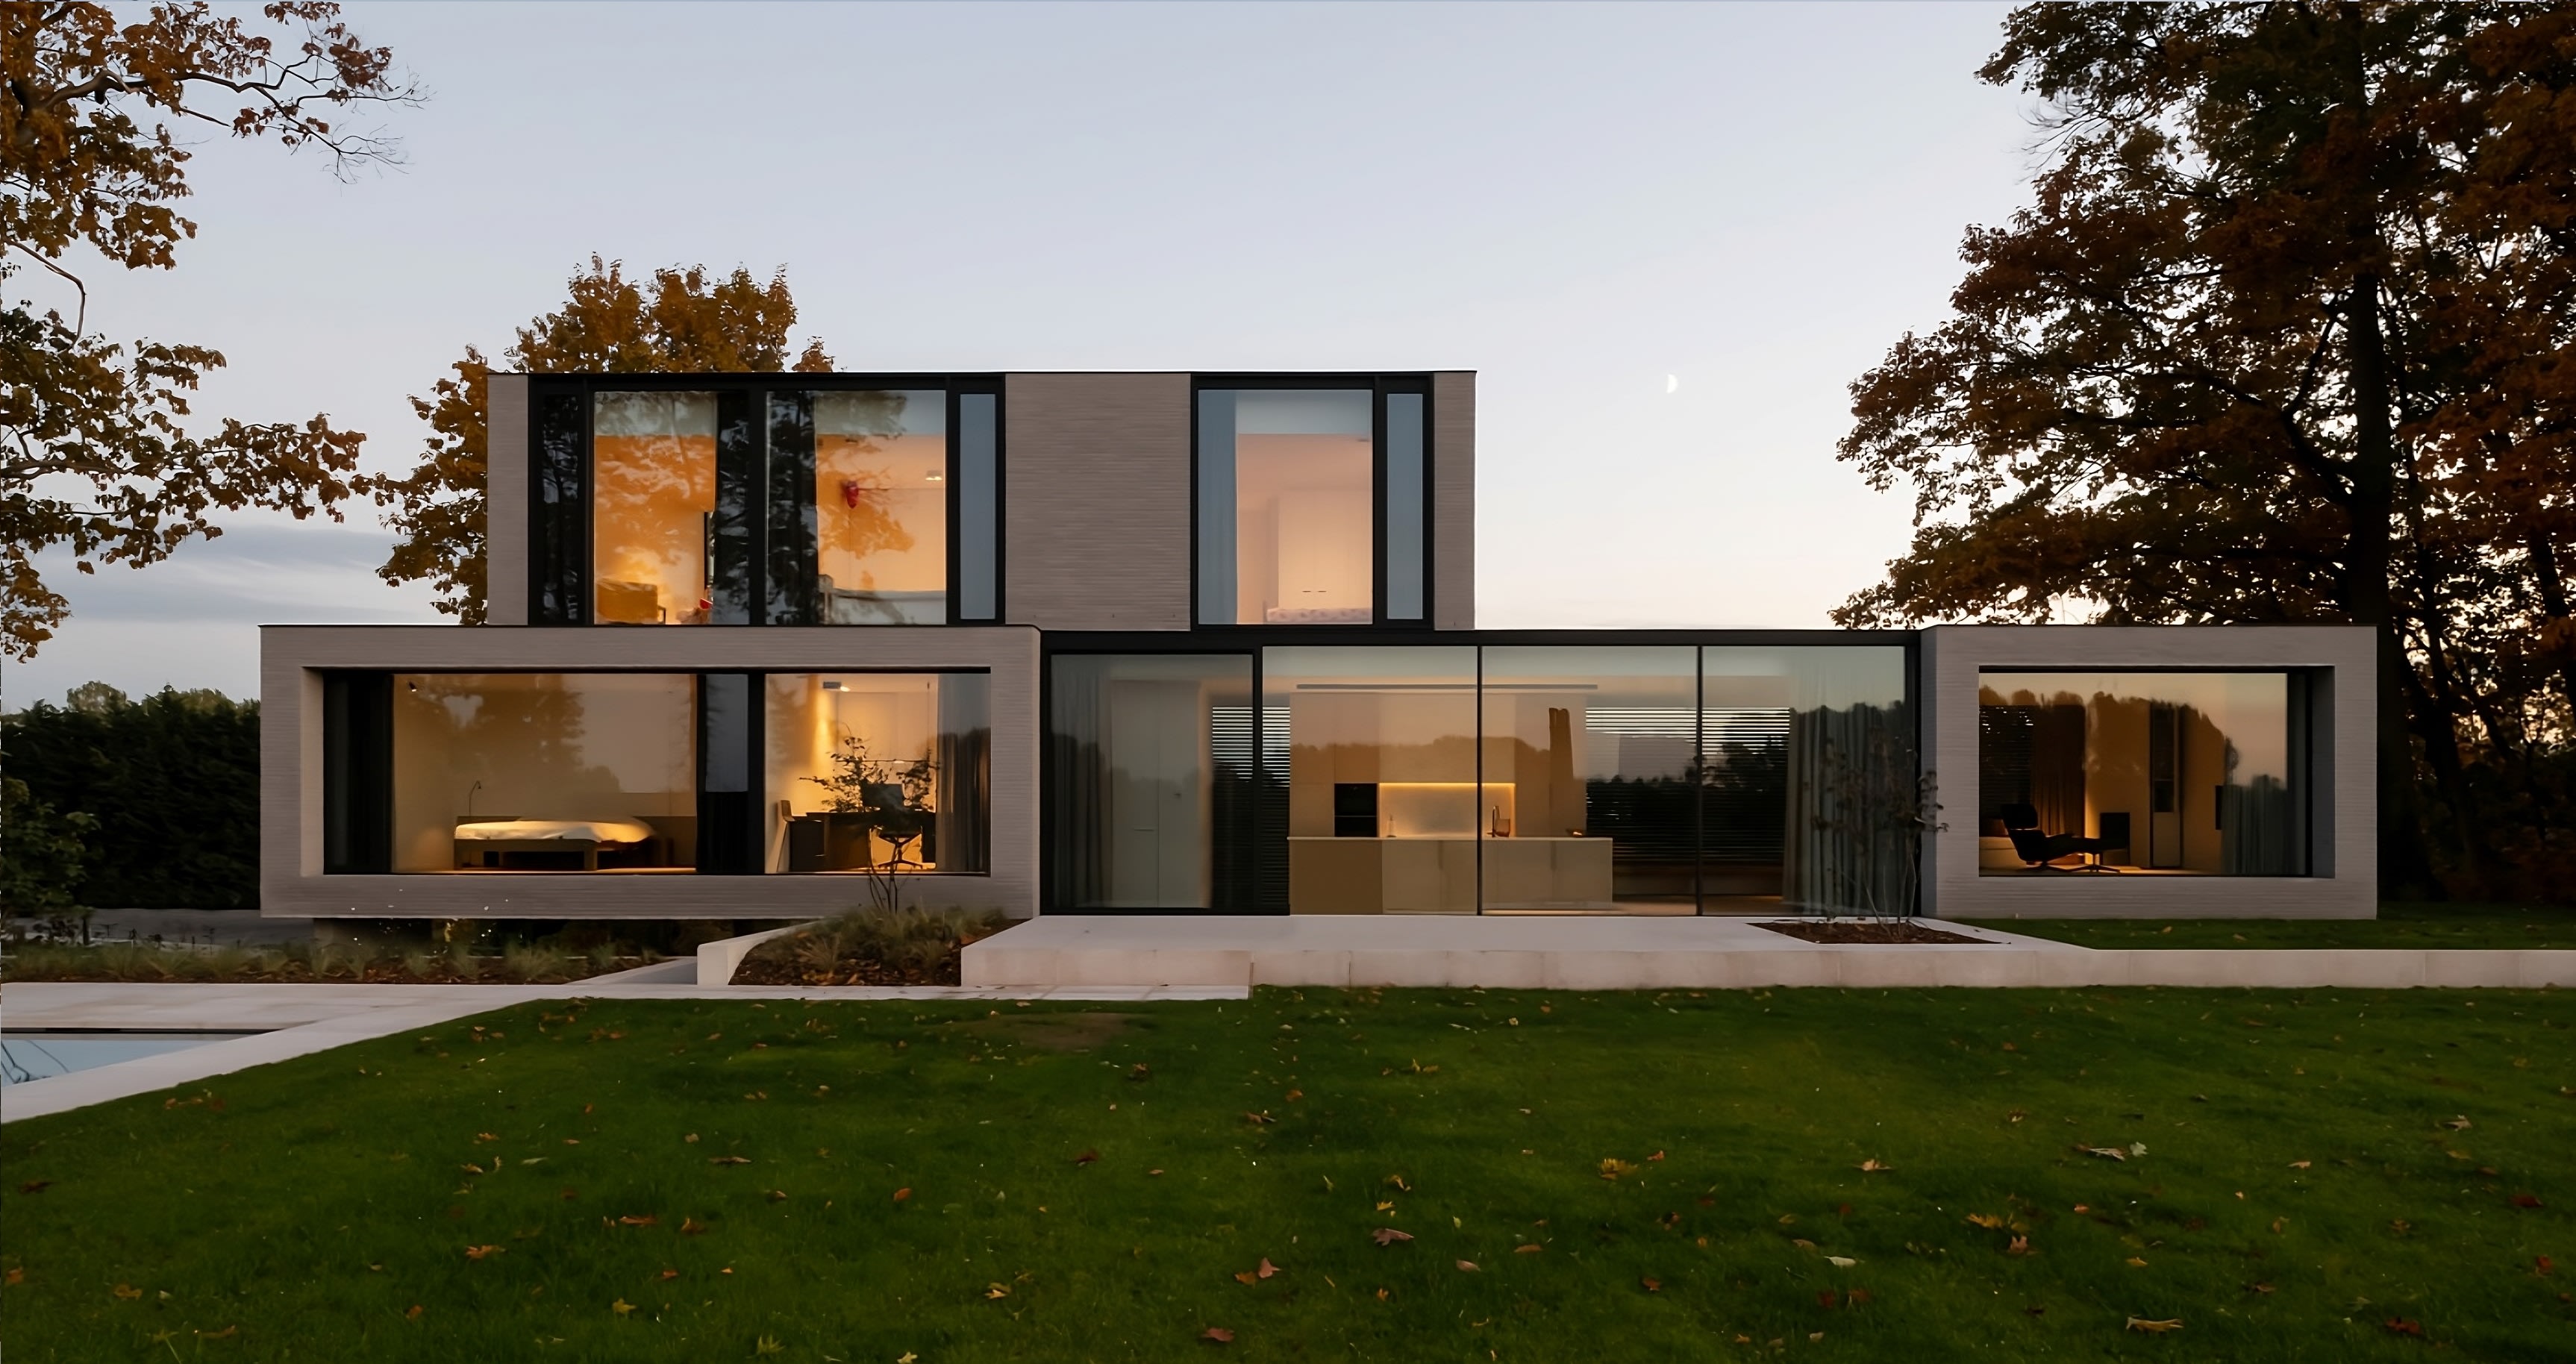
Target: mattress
<point x="561" y="830"/>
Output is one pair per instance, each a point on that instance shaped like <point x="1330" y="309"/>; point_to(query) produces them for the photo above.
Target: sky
<point x="1666" y="236"/>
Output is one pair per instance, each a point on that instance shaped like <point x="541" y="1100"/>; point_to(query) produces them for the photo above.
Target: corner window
<point x="2163" y="774"/>
<point x="1311" y="505"/>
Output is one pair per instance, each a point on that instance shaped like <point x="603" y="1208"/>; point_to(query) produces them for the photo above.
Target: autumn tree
<point x="100" y="455"/>
<point x="678" y="321"/>
<point x="2283" y="336"/>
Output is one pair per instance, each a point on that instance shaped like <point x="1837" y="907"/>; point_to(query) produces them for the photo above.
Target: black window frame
<point x="1378" y="386"/>
<point x="562" y="541"/>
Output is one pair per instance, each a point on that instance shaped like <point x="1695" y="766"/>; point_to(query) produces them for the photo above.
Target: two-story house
<point x="1199" y="643"/>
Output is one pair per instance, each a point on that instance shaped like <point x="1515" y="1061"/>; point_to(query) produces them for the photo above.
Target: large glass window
<point x="2142" y="773"/>
<point x="1287" y="507"/>
<point x="1587" y="765"/>
<point x="1376" y="750"/>
<point x="879" y="771"/>
<point x="881" y="500"/>
<point x="1151" y="793"/>
<point x="1813" y="794"/>
<point x="653" y="508"/>
<point x="543" y="772"/>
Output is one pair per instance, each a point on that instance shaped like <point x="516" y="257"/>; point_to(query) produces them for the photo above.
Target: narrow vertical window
<point x="729" y="825"/>
<point x="790" y="588"/>
<point x="1405" y="538"/>
<point x="881" y="499"/>
<point x="1216" y="507"/>
<point x="1286" y="507"/>
<point x="555" y="497"/>
<point x="979" y="475"/>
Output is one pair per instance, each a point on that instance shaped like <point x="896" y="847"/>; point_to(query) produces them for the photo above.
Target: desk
<point x="1438" y="875"/>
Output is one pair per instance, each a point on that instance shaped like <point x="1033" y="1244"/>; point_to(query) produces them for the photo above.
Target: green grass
<point x="2316" y="1166"/>
<point x="2398" y="925"/>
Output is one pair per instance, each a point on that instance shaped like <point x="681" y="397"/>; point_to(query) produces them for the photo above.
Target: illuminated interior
<point x="877" y="770"/>
<point x="542" y="772"/>
<point x="653" y="495"/>
<point x="1295" y="471"/>
<point x="881" y="507"/>
<point x="2194" y="774"/>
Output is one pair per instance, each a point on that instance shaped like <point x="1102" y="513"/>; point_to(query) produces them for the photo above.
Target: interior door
<point x="1158" y="796"/>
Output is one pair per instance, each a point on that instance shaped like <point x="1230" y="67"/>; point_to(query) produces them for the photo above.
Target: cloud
<point x="253" y="574"/>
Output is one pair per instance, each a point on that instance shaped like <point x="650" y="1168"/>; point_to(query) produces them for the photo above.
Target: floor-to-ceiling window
<point x="2173" y="773"/>
<point x="1375" y="753"/>
<point x="1814" y="797"/>
<point x="1313" y="504"/>
<point x="1588" y="756"/>
<point x="653" y="508"/>
<point x="1151" y="796"/>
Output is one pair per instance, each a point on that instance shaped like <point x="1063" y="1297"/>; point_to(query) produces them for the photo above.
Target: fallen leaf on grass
<point x="127" y="1291"/>
<point x="2105" y="1152"/>
<point x="1217" y="1335"/>
<point x="1086" y="1158"/>
<point x="728" y="1160"/>
<point x="1295" y="1094"/>
<point x="901" y="1194"/>
<point x="1841" y="1261"/>
<point x="14" y="1277"/>
<point x="2459" y="1124"/>
<point x="414" y="1313"/>
<point x="2258" y="1288"/>
<point x="2401" y="1326"/>
<point x="1612" y="1167"/>
<point x="2020" y="1246"/>
<point x="1651" y="1284"/>
<point x="1258" y="1119"/>
<point x="1989" y="1221"/>
<point x="1267" y="1269"/>
<point x="2524" y="1200"/>
<point x="480" y="1252"/>
<point x="2539" y="1265"/>
<point x="2155" y="1327"/>
<point x="1530" y="1248"/>
<point x="225" y="1334"/>
<point x="2300" y="1164"/>
<point x="621" y="1307"/>
<point x="1467" y="1266"/>
<point x="646" y="1220"/>
<point x="1802" y="1243"/>
<point x="2135" y="1263"/>
<point x="996" y="1290"/>
<point x="35" y="1186"/>
<point x="670" y="1274"/>
<point x="690" y="1226"/>
<point x="1387" y="1236"/>
<point x="1872" y="1167"/>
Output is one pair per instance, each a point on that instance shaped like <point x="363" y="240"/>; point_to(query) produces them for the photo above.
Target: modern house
<point x="1196" y="643"/>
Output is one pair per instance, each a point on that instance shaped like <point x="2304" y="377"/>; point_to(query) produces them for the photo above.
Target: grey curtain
<point x="1854" y="837"/>
<point x="2258" y="830"/>
<point x="963" y="825"/>
<point x="1078" y="794"/>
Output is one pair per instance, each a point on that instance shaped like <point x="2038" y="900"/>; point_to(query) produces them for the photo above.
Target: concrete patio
<point x="1588" y="953"/>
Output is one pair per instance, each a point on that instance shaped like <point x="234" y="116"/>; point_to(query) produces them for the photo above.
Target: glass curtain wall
<point x="1588" y="766"/>
<point x="859" y="502"/>
<point x="2142" y="773"/>
<point x="1151" y="794"/>
<point x="1287" y="507"/>
<point x="653" y="508"/>
<point x="543" y="772"/>
<point x="1377" y="800"/>
<point x="886" y="772"/>
<point x="1811" y="787"/>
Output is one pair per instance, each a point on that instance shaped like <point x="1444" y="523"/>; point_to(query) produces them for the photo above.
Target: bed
<point x="509" y="843"/>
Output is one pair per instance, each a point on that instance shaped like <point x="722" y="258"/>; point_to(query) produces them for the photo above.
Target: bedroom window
<point x="878" y="772"/>
<point x="543" y="772"/>
<point x="1312" y="503"/>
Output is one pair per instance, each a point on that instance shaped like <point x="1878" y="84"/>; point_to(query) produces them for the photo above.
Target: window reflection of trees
<point x="653" y="487"/>
<point x="854" y="480"/>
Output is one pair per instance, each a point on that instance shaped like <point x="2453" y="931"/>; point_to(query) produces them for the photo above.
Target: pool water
<point x="28" y="1056"/>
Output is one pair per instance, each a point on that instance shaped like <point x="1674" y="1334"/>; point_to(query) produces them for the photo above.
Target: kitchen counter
<point x="1437" y="875"/>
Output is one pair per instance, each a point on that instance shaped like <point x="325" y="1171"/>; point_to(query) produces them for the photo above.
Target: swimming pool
<point x="28" y="1056"/>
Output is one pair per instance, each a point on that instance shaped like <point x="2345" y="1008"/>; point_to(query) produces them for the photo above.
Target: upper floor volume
<point x="1152" y="501"/>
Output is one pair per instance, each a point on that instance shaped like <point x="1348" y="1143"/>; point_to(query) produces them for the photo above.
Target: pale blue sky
<point x="1575" y="201"/>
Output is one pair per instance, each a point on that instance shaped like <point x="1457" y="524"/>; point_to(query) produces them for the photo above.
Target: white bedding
<point x="530" y="830"/>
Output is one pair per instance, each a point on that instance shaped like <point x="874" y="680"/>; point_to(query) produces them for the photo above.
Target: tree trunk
<point x="2405" y="868"/>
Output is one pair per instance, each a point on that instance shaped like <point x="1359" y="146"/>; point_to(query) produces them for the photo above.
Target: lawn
<point x="2326" y="1175"/>
<point x="2398" y="925"/>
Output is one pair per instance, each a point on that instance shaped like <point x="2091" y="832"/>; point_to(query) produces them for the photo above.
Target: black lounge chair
<point x="2043" y="850"/>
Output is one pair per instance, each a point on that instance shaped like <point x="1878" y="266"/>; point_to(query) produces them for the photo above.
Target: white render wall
<point x="2343" y="801"/>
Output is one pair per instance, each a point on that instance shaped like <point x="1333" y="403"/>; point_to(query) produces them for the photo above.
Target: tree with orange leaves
<point x="2284" y="336"/>
<point x="679" y="321"/>
<point x="99" y="453"/>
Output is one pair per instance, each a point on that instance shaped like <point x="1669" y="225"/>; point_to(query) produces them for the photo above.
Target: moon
<point x="1672" y="383"/>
